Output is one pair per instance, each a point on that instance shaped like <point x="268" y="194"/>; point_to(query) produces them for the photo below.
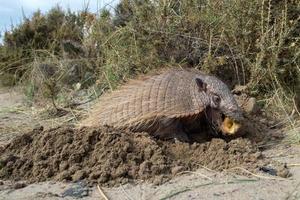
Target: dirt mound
<point x="108" y="156"/>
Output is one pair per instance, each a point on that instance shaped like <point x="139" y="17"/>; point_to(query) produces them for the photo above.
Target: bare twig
<point x="256" y="175"/>
<point x="126" y="194"/>
<point x="102" y="193"/>
<point x="294" y="165"/>
<point x="197" y="173"/>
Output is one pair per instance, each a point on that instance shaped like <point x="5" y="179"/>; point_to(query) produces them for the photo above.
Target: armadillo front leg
<point x="171" y="129"/>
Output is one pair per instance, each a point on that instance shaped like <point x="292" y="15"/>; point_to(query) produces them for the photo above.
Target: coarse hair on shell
<point x="141" y="104"/>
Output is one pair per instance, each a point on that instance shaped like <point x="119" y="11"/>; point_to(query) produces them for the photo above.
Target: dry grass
<point x="253" y="43"/>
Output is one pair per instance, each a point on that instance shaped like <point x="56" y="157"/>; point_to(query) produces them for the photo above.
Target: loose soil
<point x="262" y="135"/>
<point x="111" y="157"/>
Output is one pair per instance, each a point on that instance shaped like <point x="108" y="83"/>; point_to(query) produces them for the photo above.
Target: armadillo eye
<point x="216" y="99"/>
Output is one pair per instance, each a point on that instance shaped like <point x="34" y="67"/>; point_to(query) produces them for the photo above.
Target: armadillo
<point x="167" y="104"/>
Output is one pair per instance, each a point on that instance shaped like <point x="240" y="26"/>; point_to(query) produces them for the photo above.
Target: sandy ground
<point x="17" y="118"/>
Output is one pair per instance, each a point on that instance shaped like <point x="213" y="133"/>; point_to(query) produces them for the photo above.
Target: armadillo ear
<point x="201" y="85"/>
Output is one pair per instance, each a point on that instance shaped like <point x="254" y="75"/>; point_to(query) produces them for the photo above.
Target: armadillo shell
<point x="173" y="94"/>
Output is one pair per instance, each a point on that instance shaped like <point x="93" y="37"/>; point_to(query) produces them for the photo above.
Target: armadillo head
<point x="226" y="112"/>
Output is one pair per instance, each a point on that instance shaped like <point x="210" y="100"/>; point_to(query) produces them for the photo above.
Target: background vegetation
<point x="253" y="43"/>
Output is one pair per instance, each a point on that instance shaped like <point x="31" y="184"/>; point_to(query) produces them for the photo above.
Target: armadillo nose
<point x="236" y="115"/>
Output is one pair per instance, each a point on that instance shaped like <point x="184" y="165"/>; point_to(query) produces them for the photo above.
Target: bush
<point x="253" y="43"/>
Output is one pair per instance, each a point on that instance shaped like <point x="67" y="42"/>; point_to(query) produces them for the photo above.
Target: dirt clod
<point x="19" y="185"/>
<point x="108" y="156"/>
<point x="283" y="172"/>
